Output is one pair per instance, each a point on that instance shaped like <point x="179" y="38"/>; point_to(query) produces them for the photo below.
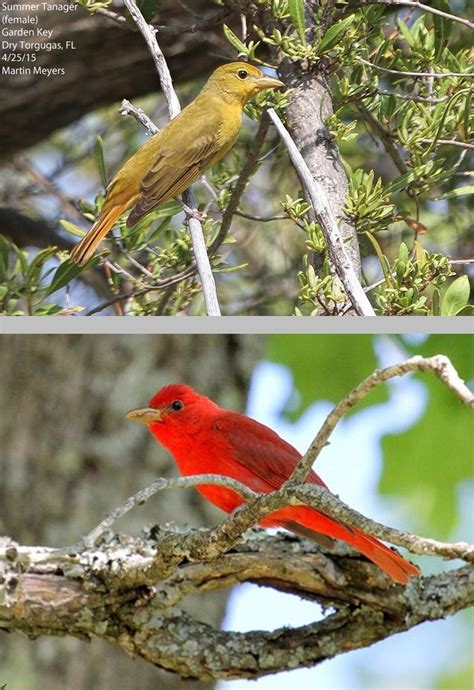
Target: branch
<point x="434" y="75"/>
<point x="449" y="142"/>
<point x="140" y="116"/>
<point x="438" y="364"/>
<point x="140" y="497"/>
<point x="420" y="6"/>
<point x="242" y="181"/>
<point x="385" y="137"/>
<point x="342" y="264"/>
<point x="97" y="594"/>
<point x="174" y="108"/>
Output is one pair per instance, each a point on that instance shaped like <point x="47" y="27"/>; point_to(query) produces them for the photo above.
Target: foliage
<point x="325" y="356"/>
<point x="401" y="120"/>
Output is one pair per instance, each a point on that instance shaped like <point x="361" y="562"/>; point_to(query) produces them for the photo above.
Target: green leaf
<point x="461" y="191"/>
<point x="100" y="160"/>
<point x="149" y="8"/>
<point x="234" y="40"/>
<point x="442" y="27"/>
<point x="331" y="36"/>
<point x="296" y="10"/>
<point x="71" y="228"/>
<point x="400" y="183"/>
<point x="4" y="257"/>
<point x="456" y="297"/>
<point x="65" y="272"/>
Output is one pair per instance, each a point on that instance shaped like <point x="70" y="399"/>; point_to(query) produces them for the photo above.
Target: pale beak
<point x="146" y="415"/>
<point x="268" y="83"/>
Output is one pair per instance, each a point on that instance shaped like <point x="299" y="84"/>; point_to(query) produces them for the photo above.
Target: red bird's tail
<point x="313" y="524"/>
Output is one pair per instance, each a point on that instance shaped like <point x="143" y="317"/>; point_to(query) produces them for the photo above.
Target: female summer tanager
<point x="167" y="164"/>
<point x="204" y="438"/>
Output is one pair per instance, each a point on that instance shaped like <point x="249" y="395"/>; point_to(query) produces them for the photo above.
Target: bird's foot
<point x="194" y="213"/>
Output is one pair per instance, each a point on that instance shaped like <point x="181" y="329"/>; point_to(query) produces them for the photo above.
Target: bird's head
<point x="176" y="408"/>
<point x="240" y="80"/>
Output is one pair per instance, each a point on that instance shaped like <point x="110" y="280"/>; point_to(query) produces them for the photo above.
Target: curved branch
<point x="419" y="6"/>
<point x="440" y="365"/>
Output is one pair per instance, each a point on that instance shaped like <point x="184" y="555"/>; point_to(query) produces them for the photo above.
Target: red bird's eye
<point x="177" y="405"/>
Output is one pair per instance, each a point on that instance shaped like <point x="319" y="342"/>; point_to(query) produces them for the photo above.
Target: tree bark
<point x="69" y="456"/>
<point x="129" y="592"/>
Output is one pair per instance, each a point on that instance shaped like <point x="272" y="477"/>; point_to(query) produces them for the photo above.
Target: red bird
<point x="204" y="438"/>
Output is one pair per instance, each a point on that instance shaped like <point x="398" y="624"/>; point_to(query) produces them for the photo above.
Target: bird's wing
<point x="260" y="451"/>
<point x="175" y="169"/>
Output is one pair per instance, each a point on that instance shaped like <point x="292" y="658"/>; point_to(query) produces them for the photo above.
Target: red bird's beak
<point x="146" y="415"/>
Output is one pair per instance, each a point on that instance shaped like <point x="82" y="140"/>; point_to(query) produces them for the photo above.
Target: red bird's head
<point x="174" y="412"/>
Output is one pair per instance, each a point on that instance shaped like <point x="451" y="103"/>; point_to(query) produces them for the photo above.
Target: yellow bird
<point x="167" y="164"/>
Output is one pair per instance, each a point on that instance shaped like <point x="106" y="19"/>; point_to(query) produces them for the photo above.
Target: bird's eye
<point x="177" y="405"/>
<point x="242" y="74"/>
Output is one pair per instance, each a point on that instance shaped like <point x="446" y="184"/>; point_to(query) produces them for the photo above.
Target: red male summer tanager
<point x="167" y="164"/>
<point x="204" y="438"/>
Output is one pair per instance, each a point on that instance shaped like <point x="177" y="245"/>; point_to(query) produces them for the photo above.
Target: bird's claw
<point x="194" y="213"/>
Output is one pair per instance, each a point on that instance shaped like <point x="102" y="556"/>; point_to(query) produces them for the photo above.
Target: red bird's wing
<point x="261" y="453"/>
<point x="264" y="461"/>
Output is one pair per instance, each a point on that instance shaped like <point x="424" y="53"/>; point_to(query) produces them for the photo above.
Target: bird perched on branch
<point x="167" y="164"/>
<point x="206" y="439"/>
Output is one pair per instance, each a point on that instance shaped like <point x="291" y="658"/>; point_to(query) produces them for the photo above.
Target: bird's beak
<point x="266" y="82"/>
<point x="146" y="415"/>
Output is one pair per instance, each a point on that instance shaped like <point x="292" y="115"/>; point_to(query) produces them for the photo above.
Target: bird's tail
<point x="311" y="524"/>
<point x="85" y="249"/>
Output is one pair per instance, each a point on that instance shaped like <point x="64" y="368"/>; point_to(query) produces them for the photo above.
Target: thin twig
<point x="259" y="219"/>
<point x="385" y="137"/>
<point x="203" y="23"/>
<point x="114" y="16"/>
<point x="242" y="181"/>
<point x="174" y="108"/>
<point x="157" y="285"/>
<point x="449" y="142"/>
<point x="434" y="75"/>
<point x="337" y="252"/>
<point x="140" y="497"/>
<point x="420" y="6"/>
<point x="438" y="364"/>
<point x="140" y="116"/>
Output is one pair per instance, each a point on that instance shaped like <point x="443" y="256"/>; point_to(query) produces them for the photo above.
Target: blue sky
<point x="351" y="466"/>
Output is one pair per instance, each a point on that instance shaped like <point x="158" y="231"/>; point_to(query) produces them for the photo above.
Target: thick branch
<point x="98" y="594"/>
<point x="340" y="259"/>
